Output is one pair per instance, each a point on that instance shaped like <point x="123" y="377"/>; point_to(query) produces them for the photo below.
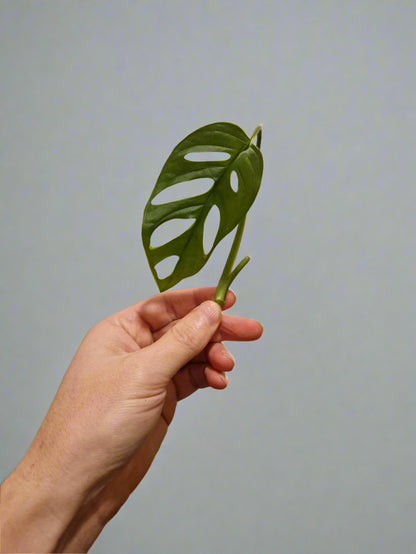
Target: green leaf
<point x="223" y="153"/>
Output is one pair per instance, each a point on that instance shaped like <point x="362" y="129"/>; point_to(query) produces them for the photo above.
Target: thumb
<point x="184" y="340"/>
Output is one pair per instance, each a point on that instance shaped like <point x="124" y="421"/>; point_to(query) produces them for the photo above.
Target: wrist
<point x="28" y="519"/>
<point x="38" y="515"/>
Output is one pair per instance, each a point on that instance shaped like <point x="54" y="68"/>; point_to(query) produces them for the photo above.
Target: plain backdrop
<point x="311" y="449"/>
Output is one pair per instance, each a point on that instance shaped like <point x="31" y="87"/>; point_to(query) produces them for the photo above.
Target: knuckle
<point x="184" y="334"/>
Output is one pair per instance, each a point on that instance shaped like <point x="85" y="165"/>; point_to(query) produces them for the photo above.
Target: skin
<point x="111" y="414"/>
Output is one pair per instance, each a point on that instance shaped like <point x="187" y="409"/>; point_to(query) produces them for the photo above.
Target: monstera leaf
<point x="222" y="155"/>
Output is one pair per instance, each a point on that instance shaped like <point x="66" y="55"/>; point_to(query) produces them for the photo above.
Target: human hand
<point x="111" y="413"/>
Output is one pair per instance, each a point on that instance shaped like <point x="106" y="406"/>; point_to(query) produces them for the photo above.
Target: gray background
<point x="312" y="447"/>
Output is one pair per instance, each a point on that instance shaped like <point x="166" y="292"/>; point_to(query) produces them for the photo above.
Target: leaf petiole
<point x="229" y="274"/>
<point x="257" y="134"/>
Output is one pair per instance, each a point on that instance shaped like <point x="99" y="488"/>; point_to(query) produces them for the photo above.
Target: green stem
<point x="229" y="274"/>
<point x="257" y="134"/>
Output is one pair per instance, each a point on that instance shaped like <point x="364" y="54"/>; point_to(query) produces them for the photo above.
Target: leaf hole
<point x="185" y="189"/>
<point x="166" y="266"/>
<point x="169" y="230"/>
<point x="234" y="181"/>
<point x="208" y="156"/>
<point x="211" y="224"/>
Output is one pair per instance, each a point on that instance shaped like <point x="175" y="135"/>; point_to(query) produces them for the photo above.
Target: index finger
<point x="164" y="308"/>
<point x="237" y="328"/>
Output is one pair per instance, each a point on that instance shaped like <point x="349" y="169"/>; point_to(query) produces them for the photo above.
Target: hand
<point x="111" y="413"/>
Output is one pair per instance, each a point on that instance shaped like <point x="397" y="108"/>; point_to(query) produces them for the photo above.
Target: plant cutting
<point x="229" y="163"/>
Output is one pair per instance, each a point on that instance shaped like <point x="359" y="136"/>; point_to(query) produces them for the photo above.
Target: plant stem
<point x="229" y="274"/>
<point x="257" y="134"/>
